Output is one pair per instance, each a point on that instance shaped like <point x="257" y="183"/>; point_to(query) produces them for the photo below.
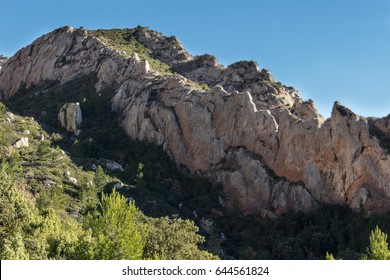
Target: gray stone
<point x="49" y="183"/>
<point x="20" y="143"/>
<point x="70" y="117"/>
<point x="73" y="180"/>
<point x="118" y="185"/>
<point x="113" y="165"/>
<point x="74" y="214"/>
<point x="10" y="116"/>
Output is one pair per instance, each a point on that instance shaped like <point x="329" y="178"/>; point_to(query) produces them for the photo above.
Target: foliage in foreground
<point x="116" y="230"/>
<point x="378" y="248"/>
<point x="112" y="231"/>
<point x="300" y="236"/>
<point x="45" y="215"/>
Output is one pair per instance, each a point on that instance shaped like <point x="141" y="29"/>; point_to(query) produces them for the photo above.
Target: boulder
<point x="118" y="185"/>
<point x="73" y="180"/>
<point x="48" y="183"/>
<point x="74" y="214"/>
<point x="70" y="117"/>
<point x="10" y="116"/>
<point x="20" y="143"/>
<point x="70" y="178"/>
<point x="112" y="165"/>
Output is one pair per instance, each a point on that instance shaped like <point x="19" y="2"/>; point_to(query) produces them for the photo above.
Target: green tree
<point x="100" y="179"/>
<point x="61" y="234"/>
<point x="44" y="151"/>
<point x="174" y="239"/>
<point x="52" y="198"/>
<point x="329" y="256"/>
<point x="140" y="182"/>
<point x="113" y="233"/>
<point x="3" y="109"/>
<point x="378" y="249"/>
<point x="18" y="220"/>
<point x="88" y="195"/>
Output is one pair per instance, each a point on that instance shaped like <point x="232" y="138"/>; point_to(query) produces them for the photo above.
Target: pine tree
<point x="18" y="218"/>
<point x="113" y="233"/>
<point x="329" y="256"/>
<point x="100" y="179"/>
<point x="174" y="239"/>
<point x="44" y="151"/>
<point x="378" y="249"/>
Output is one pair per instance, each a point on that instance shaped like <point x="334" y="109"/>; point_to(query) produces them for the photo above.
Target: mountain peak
<point x="271" y="151"/>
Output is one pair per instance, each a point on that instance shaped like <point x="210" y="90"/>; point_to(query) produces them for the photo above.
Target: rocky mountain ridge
<point x="271" y="151"/>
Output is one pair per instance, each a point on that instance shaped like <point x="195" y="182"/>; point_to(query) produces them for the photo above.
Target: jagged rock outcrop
<point x="62" y="55"/>
<point x="167" y="49"/>
<point x="335" y="160"/>
<point x="272" y="151"/>
<point x="70" y="117"/>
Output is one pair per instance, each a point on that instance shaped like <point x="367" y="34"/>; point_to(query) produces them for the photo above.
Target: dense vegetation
<point x="331" y="228"/>
<point x="54" y="205"/>
<point x="377" y="249"/>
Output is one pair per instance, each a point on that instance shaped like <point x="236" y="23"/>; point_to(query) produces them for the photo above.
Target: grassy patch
<point x="123" y="40"/>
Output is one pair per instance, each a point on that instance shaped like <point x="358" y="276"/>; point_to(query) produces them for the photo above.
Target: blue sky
<point x="329" y="50"/>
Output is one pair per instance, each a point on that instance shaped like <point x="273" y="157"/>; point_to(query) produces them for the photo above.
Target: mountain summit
<point x="271" y="151"/>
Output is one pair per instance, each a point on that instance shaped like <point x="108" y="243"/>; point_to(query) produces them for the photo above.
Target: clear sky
<point x="328" y="49"/>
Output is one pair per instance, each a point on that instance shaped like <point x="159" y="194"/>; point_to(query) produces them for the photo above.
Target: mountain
<point x="271" y="151"/>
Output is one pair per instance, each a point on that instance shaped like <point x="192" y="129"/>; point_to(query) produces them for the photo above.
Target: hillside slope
<point x="56" y="206"/>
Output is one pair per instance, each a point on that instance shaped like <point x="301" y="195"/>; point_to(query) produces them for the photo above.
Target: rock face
<point x="70" y="117"/>
<point x="271" y="151"/>
<point x="3" y="59"/>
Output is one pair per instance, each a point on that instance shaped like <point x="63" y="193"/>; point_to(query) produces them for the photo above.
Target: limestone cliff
<point x="272" y="151"/>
